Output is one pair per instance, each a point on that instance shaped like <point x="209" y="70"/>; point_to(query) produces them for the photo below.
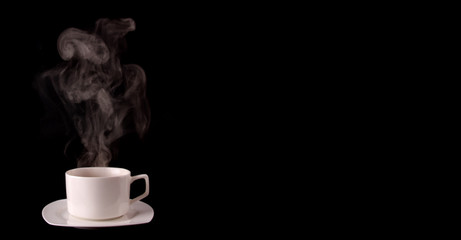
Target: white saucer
<point x="56" y="214"/>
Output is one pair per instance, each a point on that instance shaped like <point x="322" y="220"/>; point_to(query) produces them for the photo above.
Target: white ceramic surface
<point x="100" y="193"/>
<point x="56" y="214"/>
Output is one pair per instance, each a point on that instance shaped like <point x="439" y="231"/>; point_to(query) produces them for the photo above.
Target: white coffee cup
<point x="100" y="193"/>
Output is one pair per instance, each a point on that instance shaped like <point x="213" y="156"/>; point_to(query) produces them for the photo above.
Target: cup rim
<point x="72" y="172"/>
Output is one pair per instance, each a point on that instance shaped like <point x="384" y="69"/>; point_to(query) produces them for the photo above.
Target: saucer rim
<point x="89" y="222"/>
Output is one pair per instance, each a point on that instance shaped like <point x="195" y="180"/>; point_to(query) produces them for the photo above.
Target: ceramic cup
<point x="99" y="193"/>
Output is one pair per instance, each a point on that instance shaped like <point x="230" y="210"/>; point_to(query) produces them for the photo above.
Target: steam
<point x="103" y="98"/>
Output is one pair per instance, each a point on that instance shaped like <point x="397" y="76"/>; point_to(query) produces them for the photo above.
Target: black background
<point x="201" y="65"/>
<point x="227" y="137"/>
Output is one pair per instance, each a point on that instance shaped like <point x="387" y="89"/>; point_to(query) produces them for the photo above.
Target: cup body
<point x="98" y="193"/>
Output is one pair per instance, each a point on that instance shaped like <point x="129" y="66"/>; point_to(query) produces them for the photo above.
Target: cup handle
<point x="146" y="192"/>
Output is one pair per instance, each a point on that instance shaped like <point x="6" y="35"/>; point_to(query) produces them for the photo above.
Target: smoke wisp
<point x="103" y="98"/>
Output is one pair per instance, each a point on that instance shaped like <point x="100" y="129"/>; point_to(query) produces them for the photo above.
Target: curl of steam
<point x="102" y="97"/>
<point x="77" y="43"/>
